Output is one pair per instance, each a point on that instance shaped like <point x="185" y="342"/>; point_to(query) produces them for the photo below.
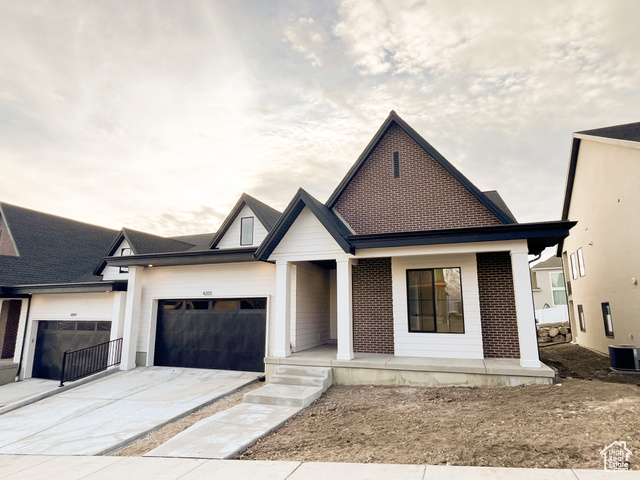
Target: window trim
<point x="581" y="321"/>
<point x="558" y="289"/>
<point x="607" y="317"/>
<point x="581" y="263"/>
<point x="574" y="269"/>
<point x="242" y="227"/>
<point x="432" y="269"/>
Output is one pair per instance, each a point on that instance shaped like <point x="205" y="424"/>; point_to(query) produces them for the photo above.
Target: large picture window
<point x="434" y="297"/>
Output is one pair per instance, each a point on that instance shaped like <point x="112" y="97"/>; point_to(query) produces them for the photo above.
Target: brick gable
<point x="424" y="196"/>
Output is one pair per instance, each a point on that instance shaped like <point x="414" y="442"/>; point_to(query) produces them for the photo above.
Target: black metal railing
<point x="86" y="361"/>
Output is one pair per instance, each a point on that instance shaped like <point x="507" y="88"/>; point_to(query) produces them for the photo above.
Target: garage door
<point x="54" y="338"/>
<point x="226" y="334"/>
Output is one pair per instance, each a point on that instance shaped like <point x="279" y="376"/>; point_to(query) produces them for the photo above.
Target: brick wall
<point x="372" y="306"/>
<point x="424" y="197"/>
<point x="497" y="305"/>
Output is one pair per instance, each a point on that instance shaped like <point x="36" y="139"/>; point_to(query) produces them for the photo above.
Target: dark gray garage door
<point x="226" y="334"/>
<point x="54" y="338"/>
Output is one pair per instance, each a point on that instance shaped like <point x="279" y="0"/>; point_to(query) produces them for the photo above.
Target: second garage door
<point x="225" y="334"/>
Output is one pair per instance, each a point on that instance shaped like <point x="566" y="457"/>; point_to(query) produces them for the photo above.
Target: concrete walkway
<point x="29" y="467"/>
<point x="102" y="415"/>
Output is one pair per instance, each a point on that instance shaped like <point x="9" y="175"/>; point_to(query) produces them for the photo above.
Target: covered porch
<point x="388" y="369"/>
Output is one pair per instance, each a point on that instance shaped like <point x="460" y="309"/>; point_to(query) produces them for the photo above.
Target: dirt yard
<point x="564" y="425"/>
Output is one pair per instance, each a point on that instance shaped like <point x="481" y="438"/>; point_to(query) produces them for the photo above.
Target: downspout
<point x="535" y="259"/>
<point x="24" y="335"/>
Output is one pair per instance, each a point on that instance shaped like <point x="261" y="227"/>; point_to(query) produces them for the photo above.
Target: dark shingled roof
<point x="51" y="249"/>
<point x="142" y="243"/>
<point x="628" y="131"/>
<point x="495" y="197"/>
<point x="199" y="241"/>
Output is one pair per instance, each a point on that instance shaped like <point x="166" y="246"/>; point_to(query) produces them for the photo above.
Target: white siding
<point x="440" y="345"/>
<point x="312" y="307"/>
<point x="231" y="239"/>
<point x="307" y="239"/>
<point x="113" y="273"/>
<point x="72" y="306"/>
<point x="228" y="280"/>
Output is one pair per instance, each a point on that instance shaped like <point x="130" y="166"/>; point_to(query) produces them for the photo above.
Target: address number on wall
<point x="207" y="293"/>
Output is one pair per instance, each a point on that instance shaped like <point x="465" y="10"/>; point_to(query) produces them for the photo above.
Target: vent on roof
<point x="396" y="165"/>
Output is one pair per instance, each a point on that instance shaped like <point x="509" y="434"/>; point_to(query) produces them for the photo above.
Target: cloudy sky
<point x="157" y="115"/>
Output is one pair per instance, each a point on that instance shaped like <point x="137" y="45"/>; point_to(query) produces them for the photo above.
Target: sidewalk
<point x="33" y="467"/>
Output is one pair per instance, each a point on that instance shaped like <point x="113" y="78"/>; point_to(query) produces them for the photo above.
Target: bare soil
<point x="564" y="425"/>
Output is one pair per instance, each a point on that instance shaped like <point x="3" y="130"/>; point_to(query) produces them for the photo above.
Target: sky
<point x="158" y="115"/>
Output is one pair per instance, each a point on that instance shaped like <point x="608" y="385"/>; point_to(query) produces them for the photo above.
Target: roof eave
<point x="538" y="235"/>
<point x="200" y="257"/>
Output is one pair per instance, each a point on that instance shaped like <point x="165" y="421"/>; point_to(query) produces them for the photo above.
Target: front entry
<point x="225" y="334"/>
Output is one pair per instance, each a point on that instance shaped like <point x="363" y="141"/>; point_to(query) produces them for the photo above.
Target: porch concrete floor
<point x="102" y="415"/>
<point x="325" y="356"/>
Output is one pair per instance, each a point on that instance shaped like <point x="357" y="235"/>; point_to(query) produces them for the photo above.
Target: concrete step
<point x="299" y="370"/>
<point x="279" y="379"/>
<point x="285" y="395"/>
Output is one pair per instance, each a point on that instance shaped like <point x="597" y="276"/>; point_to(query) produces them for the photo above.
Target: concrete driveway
<point x="102" y="415"/>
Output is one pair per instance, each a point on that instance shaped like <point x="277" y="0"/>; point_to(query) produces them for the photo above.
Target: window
<point x="581" y="262"/>
<point x="125" y="252"/>
<point x="608" y="322"/>
<point x="574" y="270"/>
<point x="583" y="325"/>
<point x="434" y="298"/>
<point x="396" y="165"/>
<point x="246" y="231"/>
<point x="558" y="293"/>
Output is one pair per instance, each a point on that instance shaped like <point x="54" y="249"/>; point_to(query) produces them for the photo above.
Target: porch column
<point x="344" y="307"/>
<point x="527" y="335"/>
<point x="131" y="318"/>
<point x="283" y="310"/>
<point x="118" y="314"/>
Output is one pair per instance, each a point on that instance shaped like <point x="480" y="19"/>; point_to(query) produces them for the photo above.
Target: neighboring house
<point x="46" y="271"/>
<point x="408" y="273"/>
<point x="600" y="256"/>
<point x="549" y="294"/>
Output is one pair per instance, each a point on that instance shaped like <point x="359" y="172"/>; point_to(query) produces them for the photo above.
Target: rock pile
<point x="554" y="333"/>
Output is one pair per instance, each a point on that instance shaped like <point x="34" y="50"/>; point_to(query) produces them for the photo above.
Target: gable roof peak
<point x="392" y="119"/>
<point x="267" y="216"/>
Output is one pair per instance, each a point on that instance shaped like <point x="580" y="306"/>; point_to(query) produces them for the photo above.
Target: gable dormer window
<point x="246" y="231"/>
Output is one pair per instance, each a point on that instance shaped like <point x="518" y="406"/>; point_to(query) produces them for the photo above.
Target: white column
<point x="117" y="315"/>
<point x="344" y="310"/>
<point x="283" y="310"/>
<point x="131" y="318"/>
<point x="527" y="335"/>
<point x="22" y="325"/>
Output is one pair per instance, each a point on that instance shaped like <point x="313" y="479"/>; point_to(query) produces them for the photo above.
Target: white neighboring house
<point x="601" y="257"/>
<point x="549" y="293"/>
